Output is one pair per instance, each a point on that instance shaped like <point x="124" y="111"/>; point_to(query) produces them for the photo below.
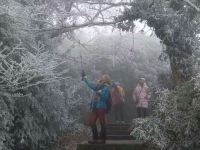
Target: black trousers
<point x="102" y="132"/>
<point x="118" y="110"/>
<point x="141" y="112"/>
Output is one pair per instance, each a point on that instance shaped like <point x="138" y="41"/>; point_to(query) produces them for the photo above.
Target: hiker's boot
<point x="101" y="142"/>
<point x="102" y="139"/>
<point x="93" y="142"/>
<point x="94" y="134"/>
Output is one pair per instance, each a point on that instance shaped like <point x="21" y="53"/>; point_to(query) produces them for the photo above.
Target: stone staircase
<point x="118" y="138"/>
<point x="118" y="132"/>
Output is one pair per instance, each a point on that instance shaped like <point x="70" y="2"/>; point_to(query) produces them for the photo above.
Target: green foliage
<point x="176" y="5"/>
<point x="175" y="121"/>
<point x="6" y="117"/>
<point x="37" y="97"/>
<point x="40" y="118"/>
<point x="175" y="23"/>
<point x="184" y="95"/>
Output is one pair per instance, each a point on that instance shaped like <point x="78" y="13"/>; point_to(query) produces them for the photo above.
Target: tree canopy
<point x="33" y="74"/>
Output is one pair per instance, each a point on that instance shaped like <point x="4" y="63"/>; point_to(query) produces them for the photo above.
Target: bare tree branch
<point x="57" y="31"/>
<point x="192" y="5"/>
<point x="100" y="12"/>
<point x="108" y="3"/>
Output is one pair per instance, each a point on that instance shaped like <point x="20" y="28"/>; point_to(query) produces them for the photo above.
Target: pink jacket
<point x="143" y="95"/>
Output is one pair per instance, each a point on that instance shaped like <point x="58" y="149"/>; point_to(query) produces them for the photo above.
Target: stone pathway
<point x="118" y="138"/>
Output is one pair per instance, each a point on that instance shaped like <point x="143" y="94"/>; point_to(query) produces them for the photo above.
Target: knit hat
<point x="105" y="79"/>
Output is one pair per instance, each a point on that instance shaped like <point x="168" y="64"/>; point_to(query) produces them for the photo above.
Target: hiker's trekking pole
<point x="82" y="70"/>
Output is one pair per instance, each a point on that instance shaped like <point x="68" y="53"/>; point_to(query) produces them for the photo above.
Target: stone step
<point x="118" y="132"/>
<point x="118" y="124"/>
<point x="115" y="130"/>
<point x="119" y="137"/>
<point x="126" y="128"/>
<point x="114" y="145"/>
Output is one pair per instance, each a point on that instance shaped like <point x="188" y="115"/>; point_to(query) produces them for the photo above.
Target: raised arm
<point x="94" y="86"/>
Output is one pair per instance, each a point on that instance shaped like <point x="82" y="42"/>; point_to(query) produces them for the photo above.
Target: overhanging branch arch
<point x="176" y="29"/>
<point x="175" y="22"/>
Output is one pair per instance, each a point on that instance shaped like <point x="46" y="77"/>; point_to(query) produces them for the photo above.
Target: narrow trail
<point x="118" y="138"/>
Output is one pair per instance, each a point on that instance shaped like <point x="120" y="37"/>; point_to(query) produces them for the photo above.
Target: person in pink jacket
<point x="141" y="96"/>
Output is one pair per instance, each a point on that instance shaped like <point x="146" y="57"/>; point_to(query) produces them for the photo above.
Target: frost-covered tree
<point x="176" y="23"/>
<point x="37" y="94"/>
<point x="175" y="122"/>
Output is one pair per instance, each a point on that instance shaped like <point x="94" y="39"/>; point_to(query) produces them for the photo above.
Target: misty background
<point x="45" y="44"/>
<point x="125" y="56"/>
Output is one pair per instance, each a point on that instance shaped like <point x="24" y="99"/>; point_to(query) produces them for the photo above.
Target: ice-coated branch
<point x="65" y="29"/>
<point x="113" y="4"/>
<point x="192" y="5"/>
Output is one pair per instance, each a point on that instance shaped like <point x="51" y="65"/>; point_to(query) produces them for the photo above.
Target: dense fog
<point x="49" y="49"/>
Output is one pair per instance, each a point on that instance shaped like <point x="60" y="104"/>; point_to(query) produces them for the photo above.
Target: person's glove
<point x="83" y="74"/>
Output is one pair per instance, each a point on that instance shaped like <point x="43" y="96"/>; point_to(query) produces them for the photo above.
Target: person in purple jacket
<point x="118" y="103"/>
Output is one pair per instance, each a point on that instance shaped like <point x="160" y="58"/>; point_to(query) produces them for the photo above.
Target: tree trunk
<point x="181" y="66"/>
